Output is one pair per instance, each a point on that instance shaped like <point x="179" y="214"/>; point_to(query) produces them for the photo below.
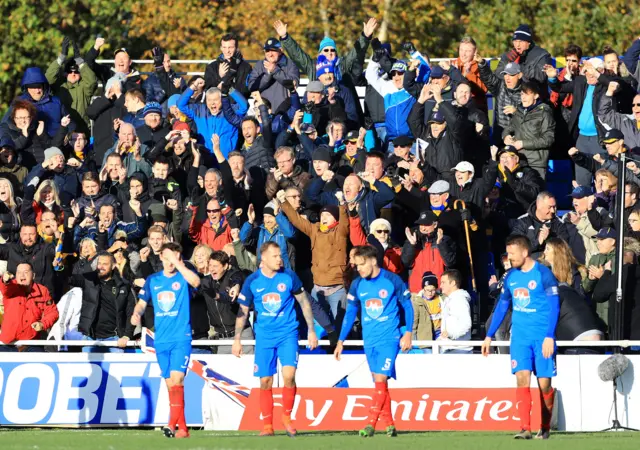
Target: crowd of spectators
<point x="442" y="161"/>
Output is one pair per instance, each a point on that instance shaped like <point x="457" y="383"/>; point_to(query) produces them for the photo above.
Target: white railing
<point x="434" y="345"/>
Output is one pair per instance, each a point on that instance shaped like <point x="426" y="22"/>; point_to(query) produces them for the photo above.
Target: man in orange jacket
<point x="28" y="308"/>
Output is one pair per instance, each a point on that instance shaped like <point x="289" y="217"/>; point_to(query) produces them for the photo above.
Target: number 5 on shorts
<point x="387" y="364"/>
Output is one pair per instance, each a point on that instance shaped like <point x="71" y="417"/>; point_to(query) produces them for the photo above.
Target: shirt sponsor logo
<point x="166" y="300"/>
<point x="271" y="302"/>
<point x="374" y="307"/>
<point x="521" y="297"/>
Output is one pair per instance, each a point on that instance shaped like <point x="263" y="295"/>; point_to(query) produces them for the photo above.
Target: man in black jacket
<point x="107" y="305"/>
<point x="220" y="291"/>
<point x="229" y="67"/>
<point x="519" y="183"/>
<point x="104" y="111"/>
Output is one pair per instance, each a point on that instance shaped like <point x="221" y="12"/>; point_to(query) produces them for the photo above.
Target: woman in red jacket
<point x="380" y="238"/>
<point x="28" y="308"/>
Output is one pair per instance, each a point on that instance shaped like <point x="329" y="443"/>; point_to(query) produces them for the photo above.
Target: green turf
<point x="154" y="440"/>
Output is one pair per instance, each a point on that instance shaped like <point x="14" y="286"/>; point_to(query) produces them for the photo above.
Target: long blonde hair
<point x="12" y="199"/>
<point x="563" y="261"/>
<point x="54" y="190"/>
<point x="204" y="247"/>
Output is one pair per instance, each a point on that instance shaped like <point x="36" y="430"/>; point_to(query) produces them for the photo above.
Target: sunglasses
<point x="382" y="231"/>
<point x="393" y="73"/>
<point x="572" y="60"/>
<point x="213" y="210"/>
<point x="635" y="104"/>
<point x="74" y="71"/>
<point x="328" y="50"/>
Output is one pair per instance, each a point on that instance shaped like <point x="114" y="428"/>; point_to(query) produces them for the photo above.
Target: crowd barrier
<point x="431" y="392"/>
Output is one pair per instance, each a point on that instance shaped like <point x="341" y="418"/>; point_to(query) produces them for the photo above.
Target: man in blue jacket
<point x="36" y="89"/>
<point x="210" y="118"/>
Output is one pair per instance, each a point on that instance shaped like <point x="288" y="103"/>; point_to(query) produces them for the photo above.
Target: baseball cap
<point x="272" y="44"/>
<point x="437" y="117"/>
<point x="511" y="69"/>
<point x="437" y="72"/>
<point x="403" y="141"/>
<point x="508" y="149"/>
<point x="581" y="192"/>
<point x="315" y="86"/>
<point x="439" y="187"/>
<point x="606" y="233"/>
<point x="464" y="166"/>
<point x="612" y="136"/>
<point x="307" y="128"/>
<point x="427" y="218"/>
<point x="352" y="136"/>
<point x="399" y="66"/>
<point x="120" y="50"/>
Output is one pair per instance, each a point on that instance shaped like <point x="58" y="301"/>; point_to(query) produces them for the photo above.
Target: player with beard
<point x="533" y="290"/>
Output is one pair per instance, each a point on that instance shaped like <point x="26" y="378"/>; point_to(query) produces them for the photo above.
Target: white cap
<point x="596" y="63"/>
<point x="464" y="166"/>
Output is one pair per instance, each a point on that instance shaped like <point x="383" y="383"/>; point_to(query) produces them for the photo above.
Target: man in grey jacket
<point x="628" y="125"/>
<point x="272" y="75"/>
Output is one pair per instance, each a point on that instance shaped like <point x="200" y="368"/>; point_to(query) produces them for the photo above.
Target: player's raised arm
<point x="174" y="258"/>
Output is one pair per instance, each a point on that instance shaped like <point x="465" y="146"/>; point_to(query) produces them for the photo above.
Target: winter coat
<point x="535" y="127"/>
<point x="23" y="307"/>
<point x="605" y="294"/>
<point x="40" y="255"/>
<point x="532" y="63"/>
<point x="103" y="112"/>
<point x="254" y="236"/>
<point x="627" y="124"/>
<point x="474" y="192"/>
<point x="240" y="79"/>
<point x="391" y="256"/>
<point x="150" y="137"/>
<point x="518" y="189"/>
<point x="444" y="152"/>
<point x="576" y="315"/>
<point x="398" y="103"/>
<point x="329" y="248"/>
<point x="203" y="233"/>
<point x="529" y="225"/>
<point x="427" y="256"/>
<point x="502" y="95"/>
<point x="298" y="178"/>
<point x="422" y="323"/>
<point x="125" y="303"/>
<point x="372" y="199"/>
<point x="270" y="84"/>
<point x="159" y="86"/>
<point x="130" y="162"/>
<point x="478" y="87"/>
<point x="456" y="318"/>
<point x="75" y="97"/>
<point x="222" y="309"/>
<point x="68" y="181"/>
<point x="208" y="124"/>
<point x="29" y="149"/>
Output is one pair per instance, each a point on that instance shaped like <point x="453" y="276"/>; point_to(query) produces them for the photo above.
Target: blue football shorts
<point x="527" y="355"/>
<point x="382" y="358"/>
<point x="173" y="357"/>
<point x="269" y="351"/>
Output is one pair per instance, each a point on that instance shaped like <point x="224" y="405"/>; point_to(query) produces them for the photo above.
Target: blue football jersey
<point x="274" y="302"/>
<point x="534" y="297"/>
<point x="171" y="298"/>
<point x="379" y="299"/>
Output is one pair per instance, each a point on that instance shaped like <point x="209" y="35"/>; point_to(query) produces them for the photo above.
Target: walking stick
<point x="466" y="232"/>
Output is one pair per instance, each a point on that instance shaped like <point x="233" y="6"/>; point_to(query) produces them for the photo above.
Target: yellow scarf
<point x="325" y="228"/>
<point x="501" y="170"/>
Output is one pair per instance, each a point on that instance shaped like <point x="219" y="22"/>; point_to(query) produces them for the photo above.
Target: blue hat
<point x="399" y="66"/>
<point x="582" y="192"/>
<point x="437" y="117"/>
<point x="173" y="100"/>
<point x="606" y="233"/>
<point x="324" y="66"/>
<point x="7" y="142"/>
<point x="272" y="44"/>
<point x="437" y="72"/>
<point x="326" y="42"/>
<point x="523" y="33"/>
<point x="612" y="136"/>
<point x="152" y="107"/>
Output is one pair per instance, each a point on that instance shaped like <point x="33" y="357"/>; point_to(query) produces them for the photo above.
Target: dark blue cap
<point x="582" y="192"/>
<point x="437" y="117"/>
<point x="607" y="233"/>
<point x="437" y="72"/>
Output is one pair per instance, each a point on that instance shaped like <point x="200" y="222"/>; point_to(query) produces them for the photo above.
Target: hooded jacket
<point x="255" y="236"/>
<point x="427" y="256"/>
<point x="529" y="225"/>
<point x="23" y="307"/>
<point x="456" y="318"/>
<point x="40" y="256"/>
<point x="202" y="232"/>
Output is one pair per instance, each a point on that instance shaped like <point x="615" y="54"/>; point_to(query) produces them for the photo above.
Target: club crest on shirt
<point x="175" y="286"/>
<point x="521" y="297"/>
<point x="282" y="287"/>
<point x="374" y="307"/>
<point x="532" y="284"/>
<point x="271" y="302"/>
<point x="166" y="300"/>
<point x="514" y="363"/>
<point x="383" y="293"/>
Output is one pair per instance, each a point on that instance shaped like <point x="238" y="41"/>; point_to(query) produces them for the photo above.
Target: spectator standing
<point x="230" y="66"/>
<point x="456" y="312"/>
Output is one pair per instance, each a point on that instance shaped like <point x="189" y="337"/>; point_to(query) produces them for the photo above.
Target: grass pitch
<point x="116" y="439"/>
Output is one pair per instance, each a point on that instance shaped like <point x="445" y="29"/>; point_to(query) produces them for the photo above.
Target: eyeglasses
<point x="284" y="161"/>
<point x="382" y="231"/>
<point x="572" y="60"/>
<point x="213" y="210"/>
<point x="328" y="50"/>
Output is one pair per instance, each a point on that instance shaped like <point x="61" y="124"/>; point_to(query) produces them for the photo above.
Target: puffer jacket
<point x="397" y="102"/>
<point x="23" y="307"/>
<point x="270" y="84"/>
<point x="202" y="232"/>
<point x="328" y="248"/>
<point x="502" y="95"/>
<point x="208" y="124"/>
<point x="535" y="127"/>
<point x="391" y="256"/>
<point x="528" y="225"/>
<point x="255" y="236"/>
<point x="428" y="256"/>
<point x="75" y="97"/>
